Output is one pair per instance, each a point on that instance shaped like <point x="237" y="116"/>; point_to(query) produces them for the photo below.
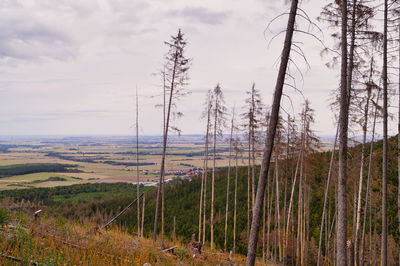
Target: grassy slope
<point x="59" y="242"/>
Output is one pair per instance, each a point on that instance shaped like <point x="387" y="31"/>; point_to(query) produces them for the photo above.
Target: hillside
<point x="182" y="201"/>
<point x="56" y="241"/>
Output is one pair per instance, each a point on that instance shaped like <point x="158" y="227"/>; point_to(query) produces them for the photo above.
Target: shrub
<point x="4" y="216"/>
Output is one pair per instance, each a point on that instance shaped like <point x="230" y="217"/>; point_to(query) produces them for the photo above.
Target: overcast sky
<point x="71" y="67"/>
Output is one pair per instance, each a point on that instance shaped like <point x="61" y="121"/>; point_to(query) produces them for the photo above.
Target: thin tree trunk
<point x="248" y="183"/>
<point x="326" y="196"/>
<point x="269" y="203"/>
<point x="385" y="142"/>
<point x="291" y="198"/>
<point x="341" y="257"/>
<point x="398" y="148"/>
<point x="368" y="182"/>
<point x="277" y="207"/>
<point x="263" y="231"/>
<point x="201" y="200"/>
<point x="235" y="202"/>
<point x="165" y="137"/>
<point x="253" y="172"/>
<point x="228" y="179"/>
<point x="269" y="144"/>
<point x="205" y="175"/>
<point x="213" y="171"/>
<point x="137" y="164"/>
<point x="360" y="185"/>
<point x="349" y="90"/>
<point x="143" y="207"/>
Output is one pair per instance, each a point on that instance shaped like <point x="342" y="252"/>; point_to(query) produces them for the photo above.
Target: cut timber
<point x="123" y="211"/>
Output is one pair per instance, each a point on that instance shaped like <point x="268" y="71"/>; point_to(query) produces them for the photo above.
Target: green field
<point x="101" y="159"/>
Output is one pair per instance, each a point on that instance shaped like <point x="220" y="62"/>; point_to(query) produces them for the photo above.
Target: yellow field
<point x="105" y="161"/>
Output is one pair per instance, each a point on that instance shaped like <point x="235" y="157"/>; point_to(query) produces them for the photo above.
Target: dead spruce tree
<point x="252" y="119"/>
<point x="228" y="177"/>
<point x="176" y="75"/>
<point x="203" y="190"/>
<point x="359" y="35"/>
<point x="219" y="119"/>
<point x="398" y="129"/>
<point x="309" y="145"/>
<point x="269" y="142"/>
<point x="237" y="148"/>
<point x="385" y="137"/>
<point x="341" y="256"/>
<point x="375" y="102"/>
<point x="137" y="165"/>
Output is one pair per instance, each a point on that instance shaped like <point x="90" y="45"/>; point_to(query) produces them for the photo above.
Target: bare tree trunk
<point x="269" y="203"/>
<point x="235" y="202"/>
<point x="300" y="245"/>
<point x="349" y="90"/>
<point x="291" y="198"/>
<point x="277" y="207"/>
<point x="263" y="231"/>
<point x="285" y="196"/>
<point x="143" y="207"/>
<point x="228" y="179"/>
<point x="248" y="184"/>
<point x="326" y="196"/>
<point x="269" y="144"/>
<point x="368" y="182"/>
<point x="360" y="185"/>
<point x="137" y="164"/>
<point x="205" y="170"/>
<point x="201" y="201"/>
<point x="253" y="172"/>
<point x="398" y="148"/>
<point x="341" y="257"/>
<point x="385" y="142"/>
<point x="165" y="137"/>
<point x="213" y="171"/>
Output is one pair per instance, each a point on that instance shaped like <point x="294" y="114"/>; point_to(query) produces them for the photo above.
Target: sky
<point x="72" y="67"/>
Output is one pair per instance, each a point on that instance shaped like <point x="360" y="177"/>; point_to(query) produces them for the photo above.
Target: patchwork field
<point x="103" y="159"/>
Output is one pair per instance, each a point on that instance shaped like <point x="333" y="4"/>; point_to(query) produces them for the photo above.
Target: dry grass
<point x="56" y="241"/>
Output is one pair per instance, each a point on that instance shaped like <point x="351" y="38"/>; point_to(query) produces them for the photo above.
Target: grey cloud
<point x="28" y="39"/>
<point x="60" y="115"/>
<point x="200" y="14"/>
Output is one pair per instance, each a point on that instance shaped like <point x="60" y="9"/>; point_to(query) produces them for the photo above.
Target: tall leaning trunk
<point x="164" y="152"/>
<point x="385" y="142"/>
<point x="360" y="182"/>
<point x="328" y="180"/>
<point x="227" y="181"/>
<point x="341" y="256"/>
<point x="269" y="143"/>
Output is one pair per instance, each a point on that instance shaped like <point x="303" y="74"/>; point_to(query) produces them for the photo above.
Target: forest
<point x="21" y="169"/>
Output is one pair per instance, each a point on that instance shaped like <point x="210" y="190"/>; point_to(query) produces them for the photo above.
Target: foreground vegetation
<point x="56" y="241"/>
